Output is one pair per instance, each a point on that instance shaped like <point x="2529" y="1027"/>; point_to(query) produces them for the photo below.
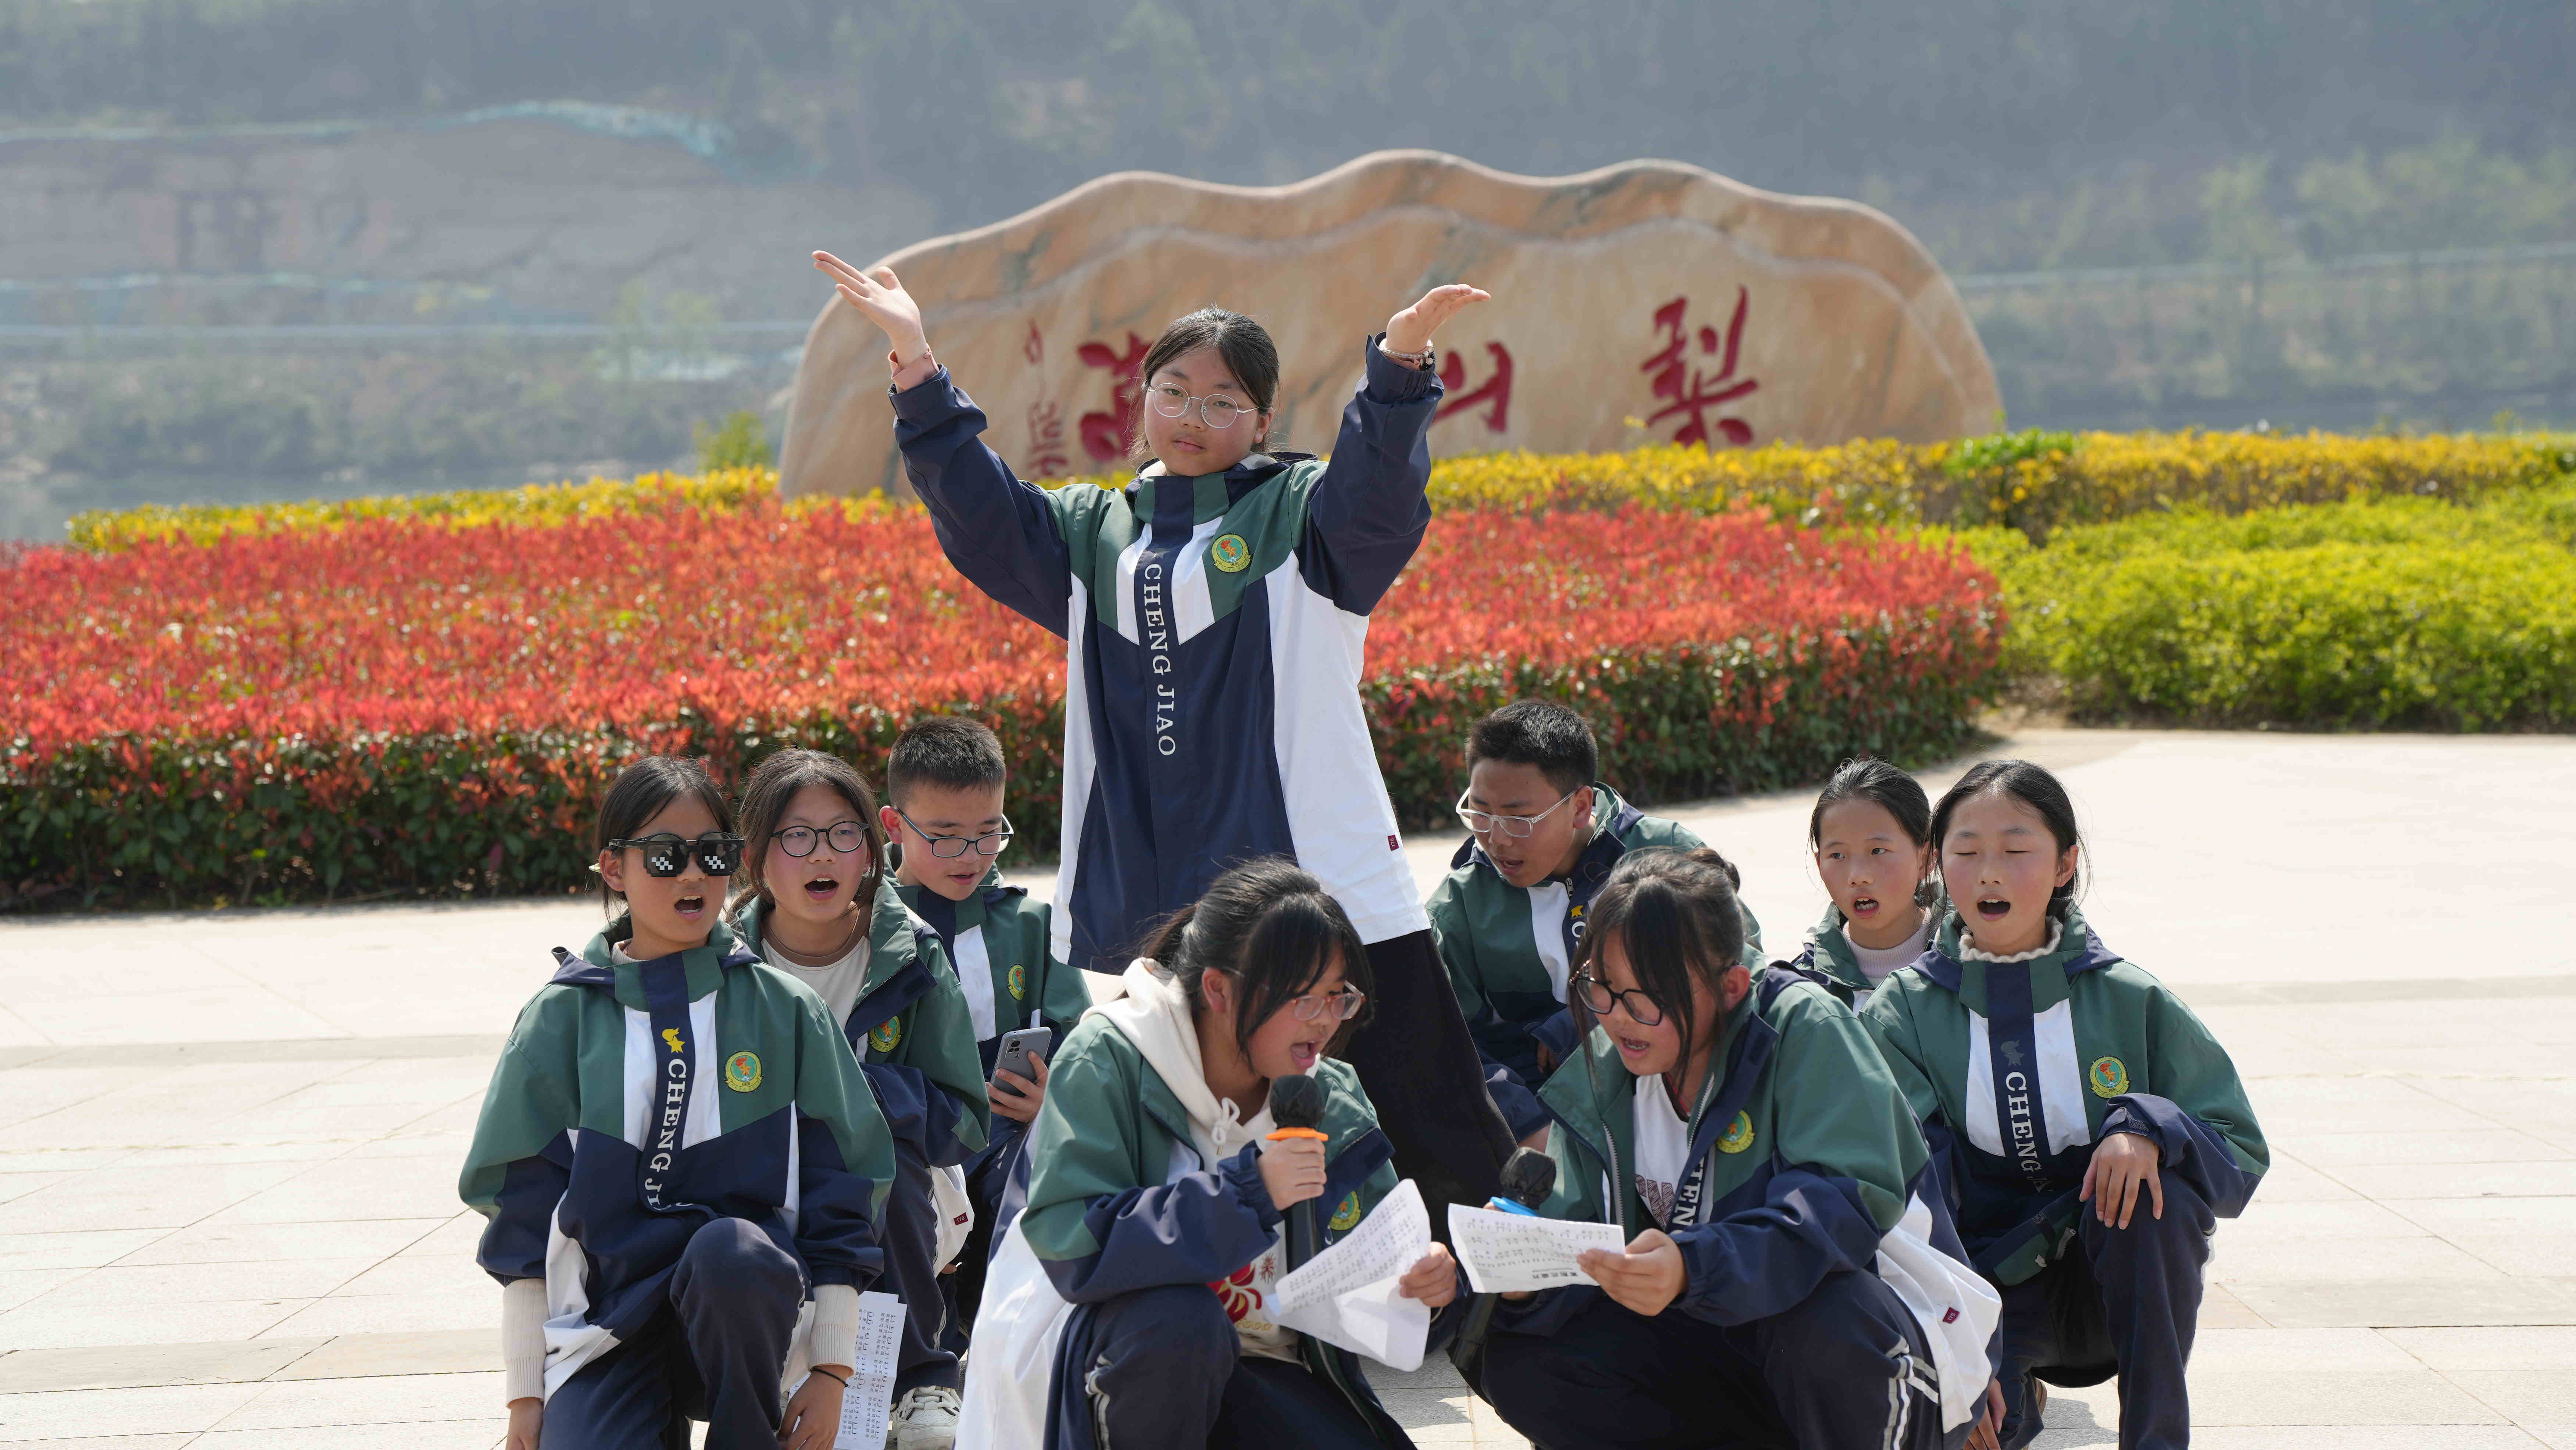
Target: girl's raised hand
<point x="1433" y="1280"/>
<point x="1411" y="329"/>
<point x="878" y="295"/>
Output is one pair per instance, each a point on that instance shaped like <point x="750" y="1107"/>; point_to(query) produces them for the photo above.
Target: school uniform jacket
<point x="1510" y="948"/>
<point x="1828" y="953"/>
<point x="1214" y="634"/>
<point x="2018" y="1069"/>
<point x="1120" y="1200"/>
<point x="999" y="942"/>
<point x="1804" y="1151"/>
<point x="1804" y="1161"/>
<point x="910" y="1032"/>
<point x="717" y="1082"/>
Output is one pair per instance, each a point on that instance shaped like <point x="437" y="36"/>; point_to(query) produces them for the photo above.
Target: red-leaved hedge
<point x="409" y="707"/>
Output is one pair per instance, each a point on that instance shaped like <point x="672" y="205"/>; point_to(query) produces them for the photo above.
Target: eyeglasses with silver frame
<point x="1217" y="413"/>
<point x="1485" y="823"/>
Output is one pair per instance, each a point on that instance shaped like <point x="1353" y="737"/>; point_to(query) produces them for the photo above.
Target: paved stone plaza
<point x="227" y="1186"/>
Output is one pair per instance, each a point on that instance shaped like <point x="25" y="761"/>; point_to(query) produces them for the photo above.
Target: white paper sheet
<point x="866" y="1403"/>
<point x="1506" y="1253"/>
<point x="1347" y="1296"/>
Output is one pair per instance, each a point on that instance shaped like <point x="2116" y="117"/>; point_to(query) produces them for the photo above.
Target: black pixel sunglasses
<point x="665" y="856"/>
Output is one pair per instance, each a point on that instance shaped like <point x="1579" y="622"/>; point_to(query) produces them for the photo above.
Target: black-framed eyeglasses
<point x="1598" y="995"/>
<point x="950" y="847"/>
<point x="1519" y="827"/>
<point x="848" y="838"/>
<point x="717" y="853"/>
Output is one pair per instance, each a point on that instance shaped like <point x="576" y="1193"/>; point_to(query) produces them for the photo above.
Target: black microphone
<point x="1529" y="1176"/>
<point x="1296" y="1109"/>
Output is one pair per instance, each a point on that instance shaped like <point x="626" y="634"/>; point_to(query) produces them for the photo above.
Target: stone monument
<point x="1645" y="302"/>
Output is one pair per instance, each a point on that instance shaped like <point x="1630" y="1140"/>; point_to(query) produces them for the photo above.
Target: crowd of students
<point x="1880" y="1191"/>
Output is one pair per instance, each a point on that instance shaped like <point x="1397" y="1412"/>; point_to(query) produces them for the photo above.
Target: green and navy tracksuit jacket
<point x="638" y="1101"/>
<point x="911" y="1033"/>
<point x="1120" y="1200"/>
<point x="2018" y="1068"/>
<point x="1510" y="948"/>
<point x="1804" y="1157"/>
<point x="1214" y="635"/>
<point x="999" y="941"/>
<point x="1828" y="953"/>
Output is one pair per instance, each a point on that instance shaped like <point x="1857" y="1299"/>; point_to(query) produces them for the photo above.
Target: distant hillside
<point x="989" y="106"/>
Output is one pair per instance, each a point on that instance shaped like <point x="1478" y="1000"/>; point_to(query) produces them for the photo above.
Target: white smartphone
<point x="1022" y="1049"/>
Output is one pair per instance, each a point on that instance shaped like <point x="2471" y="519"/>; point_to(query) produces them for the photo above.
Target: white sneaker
<point x="924" y="1419"/>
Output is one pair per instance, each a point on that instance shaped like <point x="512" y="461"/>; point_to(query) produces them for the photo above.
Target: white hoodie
<point x="1154" y="1015"/>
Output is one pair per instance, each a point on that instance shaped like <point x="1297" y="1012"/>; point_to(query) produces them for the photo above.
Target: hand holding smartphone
<point x="1019" y="1073"/>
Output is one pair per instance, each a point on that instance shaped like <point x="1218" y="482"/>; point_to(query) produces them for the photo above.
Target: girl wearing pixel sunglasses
<point x="681" y="1164"/>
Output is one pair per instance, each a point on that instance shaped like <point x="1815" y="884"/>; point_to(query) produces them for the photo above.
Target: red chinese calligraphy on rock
<point x="1046" y="457"/>
<point x="1108" y="436"/>
<point x="1495" y="396"/>
<point x="1693" y="393"/>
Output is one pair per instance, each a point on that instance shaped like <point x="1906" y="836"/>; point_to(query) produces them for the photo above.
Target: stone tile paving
<point x="228" y="1142"/>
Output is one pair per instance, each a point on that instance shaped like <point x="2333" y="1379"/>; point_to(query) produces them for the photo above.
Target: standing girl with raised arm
<point x="1215" y="613"/>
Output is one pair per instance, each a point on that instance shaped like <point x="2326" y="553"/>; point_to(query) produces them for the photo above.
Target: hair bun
<point x="1708" y="856"/>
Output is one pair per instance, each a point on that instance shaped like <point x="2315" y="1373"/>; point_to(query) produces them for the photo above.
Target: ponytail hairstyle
<point x="1248" y="352"/>
<point x="640" y="793"/>
<point x="1270" y="925"/>
<point x="765" y="798"/>
<point x="1893" y="791"/>
<point x="1675" y="915"/>
<point x="2033" y="786"/>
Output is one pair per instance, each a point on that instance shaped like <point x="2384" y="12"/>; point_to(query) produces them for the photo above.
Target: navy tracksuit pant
<point x="2128" y="1303"/>
<point x="1162" y="1368"/>
<point x="997" y="1184"/>
<point x="912" y="1274"/>
<point x="1421" y="1071"/>
<point x="1846" y="1368"/>
<point x="715" y="1354"/>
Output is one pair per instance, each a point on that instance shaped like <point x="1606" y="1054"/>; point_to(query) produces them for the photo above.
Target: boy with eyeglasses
<point x="945" y="782"/>
<point x="1542" y="837"/>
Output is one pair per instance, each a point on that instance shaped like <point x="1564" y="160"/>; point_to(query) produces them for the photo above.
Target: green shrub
<point x="2370" y="614"/>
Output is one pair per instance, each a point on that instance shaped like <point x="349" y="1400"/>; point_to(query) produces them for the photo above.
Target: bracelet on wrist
<point x="1421" y="361"/>
<point x="827" y="1374"/>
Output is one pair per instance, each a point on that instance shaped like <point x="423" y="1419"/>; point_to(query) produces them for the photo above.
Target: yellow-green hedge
<point x="2373" y="613"/>
<point x="107" y="531"/>
<point x="2032" y="481"/>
